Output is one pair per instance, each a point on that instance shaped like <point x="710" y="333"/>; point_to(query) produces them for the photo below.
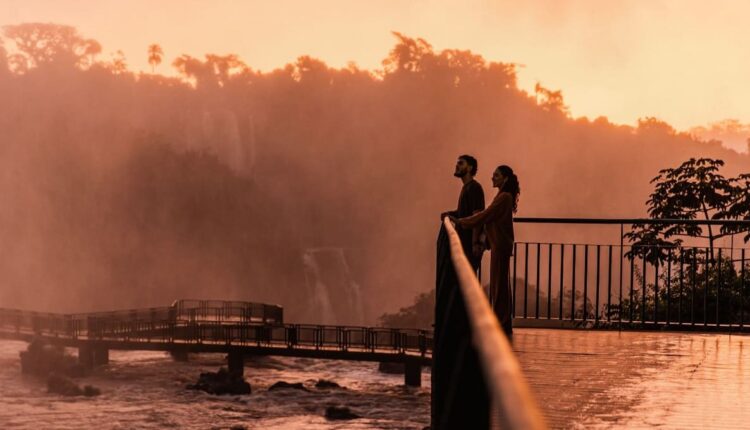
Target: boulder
<point x="221" y="382"/>
<point x="392" y="368"/>
<point x="324" y="384"/>
<point x="60" y="384"/>
<point x="42" y="358"/>
<point x="286" y="385"/>
<point x="336" y="413"/>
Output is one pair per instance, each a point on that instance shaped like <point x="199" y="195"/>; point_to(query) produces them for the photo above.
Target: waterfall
<point x="333" y="295"/>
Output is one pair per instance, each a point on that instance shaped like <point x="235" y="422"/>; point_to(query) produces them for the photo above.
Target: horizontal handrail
<point x="510" y="394"/>
<point x="391" y="341"/>
<point x="618" y="221"/>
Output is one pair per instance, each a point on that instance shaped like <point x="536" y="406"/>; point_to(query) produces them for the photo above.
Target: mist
<point x="308" y="186"/>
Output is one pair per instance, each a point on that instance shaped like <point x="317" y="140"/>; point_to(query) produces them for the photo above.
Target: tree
<point x="3" y="58"/>
<point x="408" y="55"/>
<point x="43" y="44"/>
<point x="119" y="64"/>
<point x="155" y="55"/>
<point x="215" y="71"/>
<point x="654" y="126"/>
<point x="551" y="101"/>
<point x="691" y="191"/>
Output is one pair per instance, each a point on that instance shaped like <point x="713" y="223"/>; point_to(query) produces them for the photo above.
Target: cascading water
<point x="334" y="296"/>
<point x="219" y="132"/>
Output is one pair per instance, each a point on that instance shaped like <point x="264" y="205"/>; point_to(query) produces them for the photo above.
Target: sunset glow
<point x="682" y="61"/>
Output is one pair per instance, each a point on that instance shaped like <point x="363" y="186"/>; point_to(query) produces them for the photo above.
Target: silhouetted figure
<point x="470" y="201"/>
<point x="498" y="222"/>
<point x="459" y="394"/>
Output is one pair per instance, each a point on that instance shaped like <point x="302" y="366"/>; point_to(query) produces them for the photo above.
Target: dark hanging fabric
<point x="459" y="394"/>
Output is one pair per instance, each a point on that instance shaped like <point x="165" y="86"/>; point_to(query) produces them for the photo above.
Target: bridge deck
<point x="610" y="379"/>
<point x="216" y="326"/>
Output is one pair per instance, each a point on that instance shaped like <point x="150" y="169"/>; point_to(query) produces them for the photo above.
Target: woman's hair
<point x="511" y="184"/>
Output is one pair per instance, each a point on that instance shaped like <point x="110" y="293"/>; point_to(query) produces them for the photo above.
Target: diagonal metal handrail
<point x="511" y="399"/>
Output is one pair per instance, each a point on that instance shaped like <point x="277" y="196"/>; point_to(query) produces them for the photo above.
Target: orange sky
<point x="685" y="61"/>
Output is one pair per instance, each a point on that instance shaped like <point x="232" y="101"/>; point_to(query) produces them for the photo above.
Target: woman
<point x="498" y="221"/>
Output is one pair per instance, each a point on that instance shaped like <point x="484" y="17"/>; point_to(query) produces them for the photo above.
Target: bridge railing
<point x="216" y="327"/>
<point x="511" y="402"/>
<point x="229" y="311"/>
<point x="364" y="339"/>
<point x="632" y="284"/>
<point x="39" y="322"/>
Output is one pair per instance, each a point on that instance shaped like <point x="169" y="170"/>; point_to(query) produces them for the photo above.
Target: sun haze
<point x="681" y="61"/>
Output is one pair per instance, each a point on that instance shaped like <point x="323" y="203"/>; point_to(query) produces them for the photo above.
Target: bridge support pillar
<point x="179" y="354"/>
<point x="412" y="374"/>
<point x="86" y="356"/>
<point x="236" y="363"/>
<point x="90" y="355"/>
<point x="101" y="355"/>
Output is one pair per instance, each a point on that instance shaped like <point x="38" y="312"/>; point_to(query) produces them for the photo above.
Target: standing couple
<point x="477" y="225"/>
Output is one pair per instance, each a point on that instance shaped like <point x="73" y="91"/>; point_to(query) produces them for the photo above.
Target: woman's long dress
<point x="498" y="221"/>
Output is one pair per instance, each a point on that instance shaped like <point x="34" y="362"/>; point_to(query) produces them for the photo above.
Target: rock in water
<point x="391" y="368"/>
<point x="60" y="384"/>
<point x="284" y="385"/>
<point x="91" y="391"/>
<point x="41" y="359"/>
<point x="335" y="413"/>
<point x="324" y="383"/>
<point x="221" y="382"/>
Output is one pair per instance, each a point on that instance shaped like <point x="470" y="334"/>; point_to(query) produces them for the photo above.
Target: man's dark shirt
<point x="470" y="200"/>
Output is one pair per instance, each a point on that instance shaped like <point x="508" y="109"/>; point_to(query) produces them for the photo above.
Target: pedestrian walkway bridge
<point x="231" y="327"/>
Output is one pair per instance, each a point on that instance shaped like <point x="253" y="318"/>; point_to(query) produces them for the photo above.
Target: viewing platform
<point x="610" y="379"/>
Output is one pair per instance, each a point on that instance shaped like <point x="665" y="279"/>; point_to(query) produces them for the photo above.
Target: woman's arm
<point x="501" y="203"/>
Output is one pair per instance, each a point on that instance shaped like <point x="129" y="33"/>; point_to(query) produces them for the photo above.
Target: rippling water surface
<point x="145" y="390"/>
<point x="581" y="380"/>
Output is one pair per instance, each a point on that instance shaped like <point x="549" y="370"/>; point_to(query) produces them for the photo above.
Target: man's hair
<point x="471" y="161"/>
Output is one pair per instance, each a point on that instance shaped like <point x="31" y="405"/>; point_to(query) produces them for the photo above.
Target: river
<point x="146" y="390"/>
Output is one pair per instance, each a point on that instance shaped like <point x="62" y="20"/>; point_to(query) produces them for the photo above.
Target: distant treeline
<point x="122" y="189"/>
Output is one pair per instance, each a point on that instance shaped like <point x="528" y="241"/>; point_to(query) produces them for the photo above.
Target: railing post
<point x="573" y="286"/>
<point x="643" y="288"/>
<point x="549" y="281"/>
<point x="562" y="280"/>
<point x="538" y="285"/>
<point x="669" y="286"/>
<point x="526" y="280"/>
<point x="718" y="289"/>
<point x="656" y="292"/>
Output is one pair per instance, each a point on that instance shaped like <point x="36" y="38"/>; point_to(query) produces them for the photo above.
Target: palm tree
<point x="154" y="56"/>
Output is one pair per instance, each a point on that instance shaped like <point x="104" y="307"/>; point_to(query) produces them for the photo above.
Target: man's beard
<point x="458" y="174"/>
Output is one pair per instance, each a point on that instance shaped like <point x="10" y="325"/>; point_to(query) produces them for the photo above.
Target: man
<point x="470" y="201"/>
<point x="459" y="393"/>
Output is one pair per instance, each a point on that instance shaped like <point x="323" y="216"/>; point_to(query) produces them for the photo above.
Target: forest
<point x="308" y="186"/>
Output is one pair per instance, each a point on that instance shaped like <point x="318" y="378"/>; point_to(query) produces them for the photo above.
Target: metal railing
<point x="216" y="323"/>
<point x="227" y="311"/>
<point x="640" y="286"/>
<point x="511" y="401"/>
